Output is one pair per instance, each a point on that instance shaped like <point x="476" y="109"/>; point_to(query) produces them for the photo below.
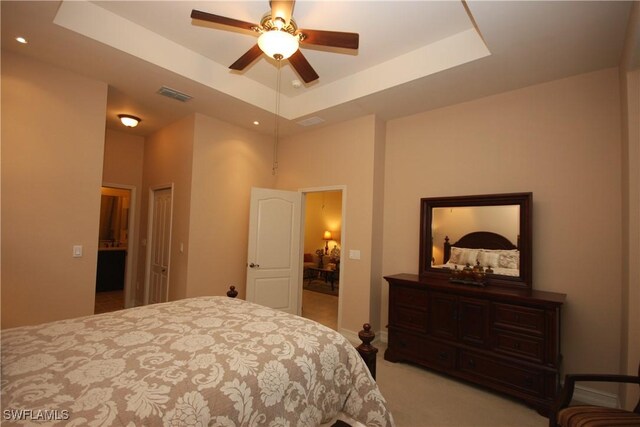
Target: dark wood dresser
<point x="505" y="339"/>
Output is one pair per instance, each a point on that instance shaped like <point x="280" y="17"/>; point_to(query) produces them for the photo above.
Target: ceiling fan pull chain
<point x="277" y="130"/>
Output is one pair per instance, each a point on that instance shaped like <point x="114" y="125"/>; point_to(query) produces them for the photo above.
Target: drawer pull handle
<point x="517" y="317"/>
<point x="471" y="363"/>
<point x="528" y="382"/>
<point x="443" y="355"/>
<point x="516" y="345"/>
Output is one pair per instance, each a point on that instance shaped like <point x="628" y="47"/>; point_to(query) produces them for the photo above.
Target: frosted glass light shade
<point x="276" y="42"/>
<point x="129" y="121"/>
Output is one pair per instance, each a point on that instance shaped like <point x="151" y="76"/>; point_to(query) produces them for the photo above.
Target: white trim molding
<point x="590" y="396"/>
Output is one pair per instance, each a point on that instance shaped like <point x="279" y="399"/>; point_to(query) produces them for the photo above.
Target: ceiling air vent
<point x="310" y="121"/>
<point x="172" y="93"/>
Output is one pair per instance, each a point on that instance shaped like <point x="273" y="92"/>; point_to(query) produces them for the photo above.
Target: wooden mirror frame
<point x="524" y="200"/>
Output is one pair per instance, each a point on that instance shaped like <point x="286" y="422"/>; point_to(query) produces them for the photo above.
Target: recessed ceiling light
<point x="256" y="123"/>
<point x="21" y="40"/>
<point x="128" y="120"/>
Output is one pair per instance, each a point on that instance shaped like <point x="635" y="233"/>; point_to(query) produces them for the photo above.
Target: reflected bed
<point x="490" y="250"/>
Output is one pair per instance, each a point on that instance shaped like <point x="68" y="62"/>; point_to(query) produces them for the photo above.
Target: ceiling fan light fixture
<point x="128" y="120"/>
<point x="278" y="44"/>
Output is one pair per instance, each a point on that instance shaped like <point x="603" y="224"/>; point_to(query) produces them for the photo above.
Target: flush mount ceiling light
<point x="128" y="120"/>
<point x="21" y="40"/>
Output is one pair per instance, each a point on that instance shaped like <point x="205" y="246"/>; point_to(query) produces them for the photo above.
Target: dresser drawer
<point x="410" y="297"/>
<point x="518" y="318"/>
<point x="439" y="354"/>
<point x="410" y="318"/>
<point x="524" y="346"/>
<point x="501" y="373"/>
<point x="405" y="345"/>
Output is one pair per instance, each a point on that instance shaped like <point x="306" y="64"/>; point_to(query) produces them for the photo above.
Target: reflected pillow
<point x="454" y="257"/>
<point x="489" y="258"/>
<point x="509" y="259"/>
<point x="463" y="256"/>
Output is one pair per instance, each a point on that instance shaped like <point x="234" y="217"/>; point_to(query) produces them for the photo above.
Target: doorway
<point x="322" y="278"/>
<point x="114" y="264"/>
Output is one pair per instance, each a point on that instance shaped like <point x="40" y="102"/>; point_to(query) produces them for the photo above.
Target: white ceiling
<point x="413" y="56"/>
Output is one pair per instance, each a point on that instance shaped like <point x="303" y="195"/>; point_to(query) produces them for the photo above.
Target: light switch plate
<point x="354" y="254"/>
<point x="77" y="251"/>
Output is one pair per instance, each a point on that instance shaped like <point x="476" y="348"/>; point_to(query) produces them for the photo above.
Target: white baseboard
<point x="590" y="396"/>
<point x="383" y="336"/>
<point x="351" y="336"/>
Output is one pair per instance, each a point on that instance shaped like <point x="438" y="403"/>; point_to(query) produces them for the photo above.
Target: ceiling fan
<point x="280" y="38"/>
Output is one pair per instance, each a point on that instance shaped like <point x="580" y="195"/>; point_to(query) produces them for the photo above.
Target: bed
<point x="490" y="249"/>
<point x="200" y="361"/>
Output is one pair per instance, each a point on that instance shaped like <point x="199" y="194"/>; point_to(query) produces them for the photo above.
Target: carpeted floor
<point x="418" y="397"/>
<point x="319" y="285"/>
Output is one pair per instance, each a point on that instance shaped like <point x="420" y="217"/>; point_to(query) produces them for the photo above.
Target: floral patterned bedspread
<point x="201" y="361"/>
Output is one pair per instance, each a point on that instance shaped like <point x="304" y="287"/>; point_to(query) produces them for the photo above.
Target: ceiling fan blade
<point x="282" y="9"/>
<point x="302" y="67"/>
<point x="247" y="58"/>
<point x="331" y="38"/>
<point x="222" y="20"/>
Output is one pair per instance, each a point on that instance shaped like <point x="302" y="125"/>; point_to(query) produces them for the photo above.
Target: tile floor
<point x="109" y="301"/>
<point x="320" y="307"/>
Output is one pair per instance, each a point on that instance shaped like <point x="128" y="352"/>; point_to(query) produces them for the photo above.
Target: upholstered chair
<point x="565" y="415"/>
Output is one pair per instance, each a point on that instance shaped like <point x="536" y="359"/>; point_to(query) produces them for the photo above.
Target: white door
<point x="274" y="259"/>
<point x="157" y="289"/>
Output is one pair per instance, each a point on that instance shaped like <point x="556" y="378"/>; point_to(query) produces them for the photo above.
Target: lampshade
<point x="129" y="121"/>
<point x="327" y="235"/>
<point x="276" y="42"/>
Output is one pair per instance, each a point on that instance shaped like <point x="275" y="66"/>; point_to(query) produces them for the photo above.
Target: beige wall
<point x="346" y="158"/>
<point x="227" y="162"/>
<point x="123" y="158"/>
<point x="123" y="163"/>
<point x="631" y="232"/>
<point x="559" y="140"/>
<point x="53" y="125"/>
<point x="168" y="156"/>
<point x="630" y="94"/>
<point x="377" y="231"/>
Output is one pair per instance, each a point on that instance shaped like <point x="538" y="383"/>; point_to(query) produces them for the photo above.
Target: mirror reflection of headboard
<point x="492" y="222"/>
<point x="479" y="240"/>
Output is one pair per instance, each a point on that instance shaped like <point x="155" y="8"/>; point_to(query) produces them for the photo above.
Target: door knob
<point x="252" y="265"/>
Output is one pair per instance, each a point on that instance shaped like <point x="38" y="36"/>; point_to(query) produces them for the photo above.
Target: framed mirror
<point x="492" y="230"/>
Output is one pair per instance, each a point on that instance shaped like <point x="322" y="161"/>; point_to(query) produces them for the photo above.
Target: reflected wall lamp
<point x="129" y="120"/>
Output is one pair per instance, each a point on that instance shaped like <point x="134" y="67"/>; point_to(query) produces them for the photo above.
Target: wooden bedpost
<point x="232" y="293"/>
<point x="366" y="350"/>
<point x="447" y="250"/>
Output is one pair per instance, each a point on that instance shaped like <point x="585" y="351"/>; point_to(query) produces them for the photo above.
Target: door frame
<point x="343" y="230"/>
<point x="129" y="295"/>
<point x="149" y="243"/>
